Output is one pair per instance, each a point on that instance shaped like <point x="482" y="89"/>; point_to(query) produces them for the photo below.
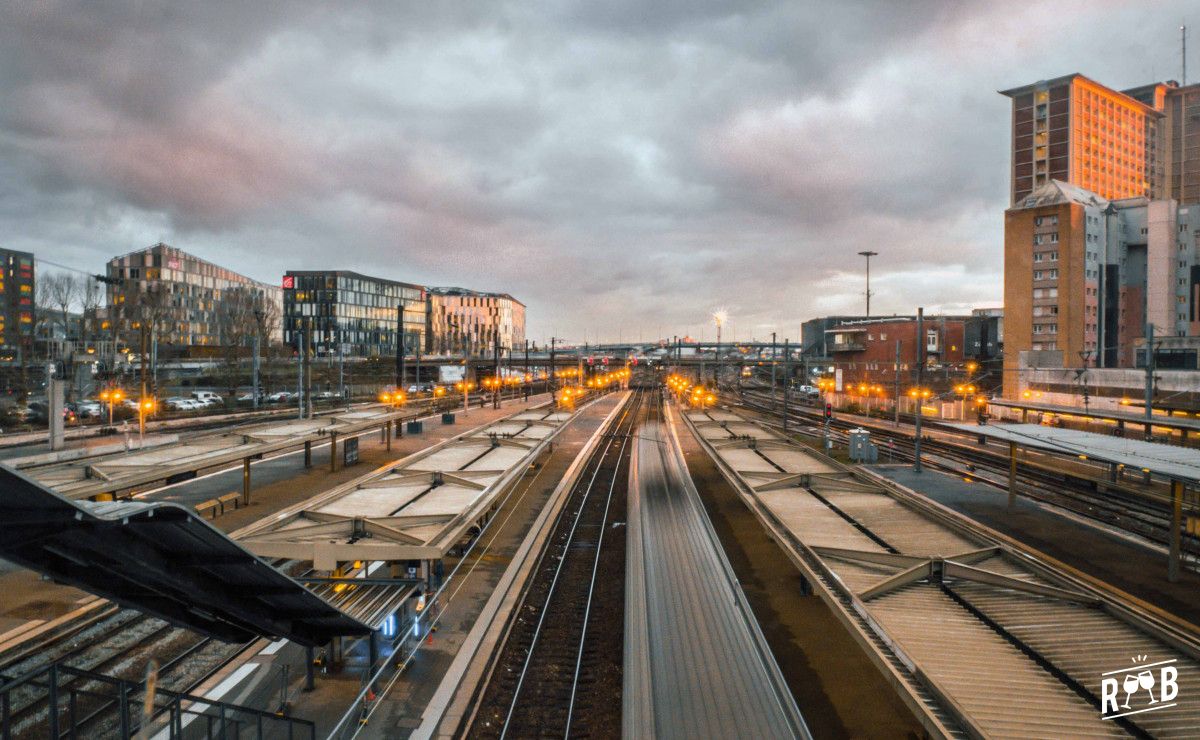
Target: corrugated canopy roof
<point x="1169" y="461"/>
<point x="163" y="560"/>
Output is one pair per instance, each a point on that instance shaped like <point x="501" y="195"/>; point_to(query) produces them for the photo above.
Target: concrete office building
<point x="1083" y="275"/>
<point x="352" y="313"/>
<point x="190" y="293"/>
<point x="470" y="321"/>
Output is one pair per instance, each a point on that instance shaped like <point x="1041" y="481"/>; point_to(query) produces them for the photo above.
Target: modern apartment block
<point x="352" y="314"/>
<point x="16" y="306"/>
<point x="1083" y="275"/>
<point x="188" y="293"/>
<point x="469" y="321"/>
<point x="1140" y="142"/>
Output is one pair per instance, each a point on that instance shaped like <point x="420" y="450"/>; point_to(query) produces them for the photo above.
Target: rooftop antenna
<point x="1183" y="39"/>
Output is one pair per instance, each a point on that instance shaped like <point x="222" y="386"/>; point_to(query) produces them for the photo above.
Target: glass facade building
<point x="356" y="311"/>
<point x="469" y="321"/>
<point x="192" y="292"/>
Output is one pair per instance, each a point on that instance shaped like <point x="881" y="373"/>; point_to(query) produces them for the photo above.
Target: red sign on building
<point x="289" y="282"/>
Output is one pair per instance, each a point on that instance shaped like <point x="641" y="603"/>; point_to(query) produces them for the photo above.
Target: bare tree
<point x="90" y="297"/>
<point x="57" y="294"/>
<point x="238" y="320"/>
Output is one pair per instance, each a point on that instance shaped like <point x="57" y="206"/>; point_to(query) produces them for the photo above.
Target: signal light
<point x="828" y="410"/>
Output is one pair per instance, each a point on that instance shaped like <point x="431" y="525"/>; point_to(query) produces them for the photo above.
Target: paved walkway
<point x="1122" y="562"/>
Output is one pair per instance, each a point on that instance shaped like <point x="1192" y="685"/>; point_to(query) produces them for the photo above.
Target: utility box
<point x="861" y="448"/>
<point x="415" y="426"/>
<point x="447" y="418"/>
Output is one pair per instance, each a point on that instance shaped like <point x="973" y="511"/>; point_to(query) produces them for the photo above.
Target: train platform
<point x="281" y="482"/>
<point x="1104" y="554"/>
<point x="397" y="711"/>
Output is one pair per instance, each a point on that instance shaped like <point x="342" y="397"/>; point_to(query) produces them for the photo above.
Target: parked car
<point x="280" y="397"/>
<point x="207" y="398"/>
<point x="87" y="409"/>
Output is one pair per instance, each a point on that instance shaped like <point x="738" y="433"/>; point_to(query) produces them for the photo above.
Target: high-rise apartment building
<point x="350" y="313"/>
<point x="1144" y="141"/>
<point x="1084" y="275"/>
<point x="16" y="306"/>
<point x="184" y="295"/>
<point x="470" y="321"/>
<point x="1075" y="130"/>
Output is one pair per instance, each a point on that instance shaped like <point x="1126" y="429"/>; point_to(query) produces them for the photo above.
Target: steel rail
<point x="558" y="568"/>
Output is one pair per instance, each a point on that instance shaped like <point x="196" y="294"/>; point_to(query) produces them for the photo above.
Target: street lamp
<point x="112" y="396"/>
<point x="145" y="406"/>
<point x="868" y="254"/>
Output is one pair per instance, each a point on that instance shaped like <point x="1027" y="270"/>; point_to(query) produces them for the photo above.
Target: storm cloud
<point x="622" y="167"/>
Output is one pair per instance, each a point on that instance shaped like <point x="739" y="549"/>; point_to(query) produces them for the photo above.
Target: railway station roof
<point x="1169" y="461"/>
<point x="88" y="476"/>
<point x="414" y="509"/>
<point x="1128" y="417"/>
<point x="164" y="560"/>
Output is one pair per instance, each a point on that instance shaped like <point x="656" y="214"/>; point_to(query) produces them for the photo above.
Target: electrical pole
<point x="257" y="351"/>
<point x="920" y="380"/>
<point x="308" y="343"/>
<point x="400" y="348"/>
<point x="896" y="405"/>
<point x="774" y="357"/>
<point x="528" y="379"/>
<point x="496" y="371"/>
<point x="550" y="376"/>
<point x="868" y="254"/>
<point x="787" y="381"/>
<point x="300" y="365"/>
<point x="341" y="367"/>
<point x="1150" y="363"/>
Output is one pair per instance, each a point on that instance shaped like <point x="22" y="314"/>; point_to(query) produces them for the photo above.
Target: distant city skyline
<point x="623" y="170"/>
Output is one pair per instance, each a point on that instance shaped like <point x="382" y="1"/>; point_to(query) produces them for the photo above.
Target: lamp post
<point x="145" y="406"/>
<point x="112" y="396"/>
<point x="868" y="254"/>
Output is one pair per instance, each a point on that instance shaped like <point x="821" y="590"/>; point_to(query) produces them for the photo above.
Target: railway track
<point x="119" y="645"/>
<point x="1145" y="515"/>
<point x="558" y="671"/>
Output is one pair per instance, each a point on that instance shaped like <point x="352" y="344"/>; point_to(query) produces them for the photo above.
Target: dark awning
<point x="161" y="559"/>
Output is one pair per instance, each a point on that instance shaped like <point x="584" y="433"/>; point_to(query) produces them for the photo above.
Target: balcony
<point x="847" y="347"/>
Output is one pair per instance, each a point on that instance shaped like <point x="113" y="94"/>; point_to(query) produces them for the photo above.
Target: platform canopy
<point x="161" y="559"/>
<point x="1168" y="461"/>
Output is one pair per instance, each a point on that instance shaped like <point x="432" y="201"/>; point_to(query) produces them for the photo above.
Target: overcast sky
<point x="622" y="167"/>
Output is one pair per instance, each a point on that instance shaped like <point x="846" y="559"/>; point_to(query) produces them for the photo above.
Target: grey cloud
<point x="613" y="164"/>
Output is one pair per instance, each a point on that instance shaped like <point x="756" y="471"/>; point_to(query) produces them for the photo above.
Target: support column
<point x="1012" y="475"/>
<point x="1112" y="472"/>
<point x="333" y="452"/>
<point x="309" y="679"/>
<point x="387" y="435"/>
<point x="1176" y="525"/>
<point x="374" y="643"/>
<point x="1024" y="416"/>
<point x="245" y="481"/>
<point x="308" y="454"/>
